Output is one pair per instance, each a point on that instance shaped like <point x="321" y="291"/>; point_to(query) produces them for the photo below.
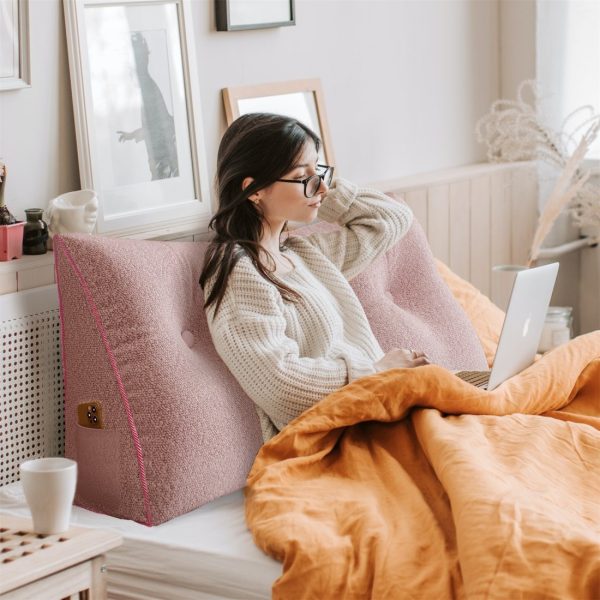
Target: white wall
<point x="404" y="83"/>
<point x="517" y="44"/>
<point x="37" y="137"/>
<point x="568" y="60"/>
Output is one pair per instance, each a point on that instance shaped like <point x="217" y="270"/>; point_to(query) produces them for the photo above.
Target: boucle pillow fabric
<point x="178" y="429"/>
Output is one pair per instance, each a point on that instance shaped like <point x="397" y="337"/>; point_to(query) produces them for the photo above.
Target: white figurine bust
<point x="74" y="212"/>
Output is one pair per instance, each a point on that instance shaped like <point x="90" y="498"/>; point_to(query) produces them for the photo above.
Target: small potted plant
<point x="11" y="230"/>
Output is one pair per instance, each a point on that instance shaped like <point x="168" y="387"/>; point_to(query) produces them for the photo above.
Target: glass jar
<point x="35" y="232"/>
<point x="558" y="327"/>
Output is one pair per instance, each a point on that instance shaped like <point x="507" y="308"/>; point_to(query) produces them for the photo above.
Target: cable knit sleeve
<point x="249" y="334"/>
<point x="371" y="223"/>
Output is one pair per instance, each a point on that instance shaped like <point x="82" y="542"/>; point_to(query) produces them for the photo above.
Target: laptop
<point x="522" y="328"/>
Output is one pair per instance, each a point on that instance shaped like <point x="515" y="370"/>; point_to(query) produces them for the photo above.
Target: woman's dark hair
<point x="265" y="147"/>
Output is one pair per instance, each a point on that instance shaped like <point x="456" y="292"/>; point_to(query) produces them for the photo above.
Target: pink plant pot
<point x="11" y="241"/>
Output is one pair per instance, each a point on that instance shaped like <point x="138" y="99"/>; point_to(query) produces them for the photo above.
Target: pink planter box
<point x="11" y="241"/>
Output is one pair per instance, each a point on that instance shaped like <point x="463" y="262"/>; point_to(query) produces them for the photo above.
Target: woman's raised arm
<point x="371" y="223"/>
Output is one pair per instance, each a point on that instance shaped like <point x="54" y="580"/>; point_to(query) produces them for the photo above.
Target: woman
<point x="281" y="312"/>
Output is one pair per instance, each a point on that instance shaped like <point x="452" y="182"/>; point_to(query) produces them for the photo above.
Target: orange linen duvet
<point x="414" y="484"/>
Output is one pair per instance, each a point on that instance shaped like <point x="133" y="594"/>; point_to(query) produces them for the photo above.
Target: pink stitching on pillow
<point x="60" y="245"/>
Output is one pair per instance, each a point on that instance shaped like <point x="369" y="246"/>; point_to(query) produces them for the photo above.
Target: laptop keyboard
<point x="479" y="379"/>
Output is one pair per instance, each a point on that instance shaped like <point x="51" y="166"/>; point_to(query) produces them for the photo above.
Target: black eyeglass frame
<point x="327" y="173"/>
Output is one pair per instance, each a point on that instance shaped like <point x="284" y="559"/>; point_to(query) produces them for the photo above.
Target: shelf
<point x="26" y="262"/>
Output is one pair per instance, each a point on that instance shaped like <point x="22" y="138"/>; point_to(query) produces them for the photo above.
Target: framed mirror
<point x="137" y="114"/>
<point x="300" y="99"/>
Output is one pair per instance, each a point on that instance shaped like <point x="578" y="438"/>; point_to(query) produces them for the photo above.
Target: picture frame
<point x="302" y="99"/>
<point x="15" y="68"/>
<point x="136" y="104"/>
<point x="236" y="15"/>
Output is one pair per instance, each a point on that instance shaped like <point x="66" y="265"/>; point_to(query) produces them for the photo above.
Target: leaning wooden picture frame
<point x="302" y="99"/>
<point x="137" y="114"/>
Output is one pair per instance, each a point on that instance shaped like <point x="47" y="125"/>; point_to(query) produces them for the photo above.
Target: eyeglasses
<point x="313" y="183"/>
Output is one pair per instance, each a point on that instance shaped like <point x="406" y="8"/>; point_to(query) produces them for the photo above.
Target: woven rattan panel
<point x="31" y="389"/>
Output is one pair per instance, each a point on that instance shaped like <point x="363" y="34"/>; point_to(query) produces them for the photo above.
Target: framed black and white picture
<point x="137" y="114"/>
<point x="15" y="72"/>
<point x="234" y="15"/>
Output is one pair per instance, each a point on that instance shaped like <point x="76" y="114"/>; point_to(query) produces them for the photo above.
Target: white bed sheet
<point x="205" y="554"/>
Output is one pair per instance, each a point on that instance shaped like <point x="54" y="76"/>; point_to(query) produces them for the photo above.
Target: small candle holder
<point x="35" y="232"/>
<point x="558" y="327"/>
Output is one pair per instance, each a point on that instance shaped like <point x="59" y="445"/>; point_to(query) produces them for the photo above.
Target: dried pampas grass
<point x="514" y="131"/>
<point x="566" y="188"/>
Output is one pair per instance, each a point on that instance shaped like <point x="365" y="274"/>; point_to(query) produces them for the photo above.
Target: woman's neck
<point x="270" y="240"/>
<point x="270" y="244"/>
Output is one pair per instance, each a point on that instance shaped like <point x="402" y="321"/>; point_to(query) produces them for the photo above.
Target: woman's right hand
<point x="401" y="358"/>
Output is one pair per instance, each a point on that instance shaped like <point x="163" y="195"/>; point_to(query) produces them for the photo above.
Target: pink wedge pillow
<point x="178" y="431"/>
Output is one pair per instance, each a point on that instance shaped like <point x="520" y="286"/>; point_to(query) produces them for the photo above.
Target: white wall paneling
<point x="523" y="188"/>
<point x="500" y="215"/>
<point x="480" y="233"/>
<point x="475" y="217"/>
<point x="459" y="233"/>
<point x="438" y="220"/>
<point x="417" y="200"/>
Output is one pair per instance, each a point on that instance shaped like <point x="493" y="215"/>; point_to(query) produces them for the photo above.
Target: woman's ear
<point x="254" y="197"/>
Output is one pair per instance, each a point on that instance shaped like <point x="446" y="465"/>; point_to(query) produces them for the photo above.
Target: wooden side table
<point x="53" y="567"/>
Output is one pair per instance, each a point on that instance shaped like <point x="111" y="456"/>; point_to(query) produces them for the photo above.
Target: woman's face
<point x="285" y="201"/>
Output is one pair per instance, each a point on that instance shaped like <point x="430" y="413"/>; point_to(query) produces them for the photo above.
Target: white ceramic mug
<point x="49" y="486"/>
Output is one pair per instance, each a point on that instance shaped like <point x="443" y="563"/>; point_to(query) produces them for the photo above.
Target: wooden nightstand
<point x="52" y="567"/>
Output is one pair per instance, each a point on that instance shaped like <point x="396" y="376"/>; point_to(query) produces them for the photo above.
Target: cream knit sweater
<point x="289" y="355"/>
